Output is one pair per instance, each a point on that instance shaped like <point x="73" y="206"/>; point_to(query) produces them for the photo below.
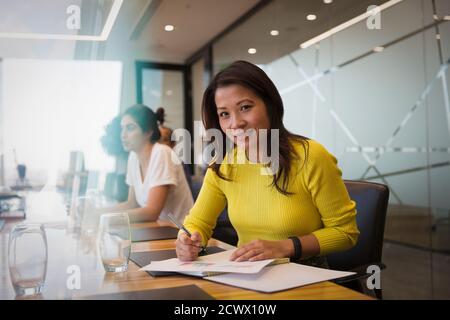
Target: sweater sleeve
<point x="324" y="181"/>
<point x="210" y="203"/>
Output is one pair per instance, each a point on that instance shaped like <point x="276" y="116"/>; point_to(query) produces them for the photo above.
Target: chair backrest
<point x="224" y="230"/>
<point x="371" y="205"/>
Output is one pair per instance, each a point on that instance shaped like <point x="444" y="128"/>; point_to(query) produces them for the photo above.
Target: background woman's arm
<point x="155" y="202"/>
<point x="122" y="206"/>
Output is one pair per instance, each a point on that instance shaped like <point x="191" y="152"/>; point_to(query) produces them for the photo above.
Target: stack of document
<point x="213" y="264"/>
<point x="265" y="275"/>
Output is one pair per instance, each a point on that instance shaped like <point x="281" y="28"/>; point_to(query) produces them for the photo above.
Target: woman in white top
<point x="157" y="182"/>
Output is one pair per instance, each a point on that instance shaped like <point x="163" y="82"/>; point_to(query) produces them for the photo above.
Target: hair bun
<point x="160" y="115"/>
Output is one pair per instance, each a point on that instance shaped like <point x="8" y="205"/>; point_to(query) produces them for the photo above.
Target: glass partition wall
<point x="374" y="90"/>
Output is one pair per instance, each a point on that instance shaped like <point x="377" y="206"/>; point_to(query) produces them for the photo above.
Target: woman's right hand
<point x="187" y="248"/>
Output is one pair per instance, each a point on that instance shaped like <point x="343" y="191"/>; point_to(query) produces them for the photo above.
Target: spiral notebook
<point x="144" y="258"/>
<point x="209" y="265"/>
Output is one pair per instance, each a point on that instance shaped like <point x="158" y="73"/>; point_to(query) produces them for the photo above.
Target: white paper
<point x="218" y="262"/>
<point x="279" y="277"/>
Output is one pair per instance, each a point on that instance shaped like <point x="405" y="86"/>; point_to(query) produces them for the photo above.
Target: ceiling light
<point x="110" y="20"/>
<point x="347" y="24"/>
<point x="378" y="49"/>
<point x="169" y="92"/>
<point x="311" y="17"/>
<point x="274" y="32"/>
<point x="169" y="27"/>
<point x="327" y="1"/>
<point x="252" y="50"/>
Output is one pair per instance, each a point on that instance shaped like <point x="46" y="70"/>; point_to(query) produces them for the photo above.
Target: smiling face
<point x="240" y="110"/>
<point x="132" y="136"/>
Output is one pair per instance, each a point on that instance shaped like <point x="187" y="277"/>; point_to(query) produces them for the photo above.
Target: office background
<point x="376" y="98"/>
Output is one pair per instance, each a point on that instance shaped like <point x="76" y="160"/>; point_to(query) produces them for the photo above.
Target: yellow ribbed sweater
<point x="319" y="205"/>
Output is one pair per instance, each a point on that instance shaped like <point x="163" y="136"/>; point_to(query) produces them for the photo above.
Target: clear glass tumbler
<point x="27" y="258"/>
<point x="114" y="239"/>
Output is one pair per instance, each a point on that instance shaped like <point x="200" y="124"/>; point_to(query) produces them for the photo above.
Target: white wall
<point x="52" y="107"/>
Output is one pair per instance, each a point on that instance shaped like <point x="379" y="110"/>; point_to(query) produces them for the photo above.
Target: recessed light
<point x="378" y="49"/>
<point x="252" y="50"/>
<point x="327" y="1"/>
<point x="311" y="17"/>
<point x="349" y="23"/>
<point x="169" y="27"/>
<point x="274" y="32"/>
<point x="169" y="92"/>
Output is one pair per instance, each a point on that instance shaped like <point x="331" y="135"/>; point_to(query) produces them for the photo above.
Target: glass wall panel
<point x="378" y="99"/>
<point x="164" y="88"/>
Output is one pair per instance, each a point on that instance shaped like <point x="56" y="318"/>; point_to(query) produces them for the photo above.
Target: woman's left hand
<point x="263" y="249"/>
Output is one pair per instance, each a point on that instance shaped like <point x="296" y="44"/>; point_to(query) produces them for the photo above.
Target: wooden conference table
<point x="67" y="249"/>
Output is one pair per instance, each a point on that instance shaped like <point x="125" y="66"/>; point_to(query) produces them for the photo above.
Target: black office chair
<point x="224" y="230"/>
<point x="371" y="205"/>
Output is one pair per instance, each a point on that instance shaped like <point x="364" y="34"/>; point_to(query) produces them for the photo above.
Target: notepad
<point x="144" y="258"/>
<point x="279" y="277"/>
<point x="210" y="265"/>
<point x="153" y="233"/>
<point x="190" y="292"/>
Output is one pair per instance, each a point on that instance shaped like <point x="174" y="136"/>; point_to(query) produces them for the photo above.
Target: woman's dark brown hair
<point x="146" y="119"/>
<point x="252" y="77"/>
<point x="161" y="116"/>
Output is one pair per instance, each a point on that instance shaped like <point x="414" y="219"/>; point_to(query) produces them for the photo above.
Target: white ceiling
<point x="289" y="18"/>
<point x="196" y="22"/>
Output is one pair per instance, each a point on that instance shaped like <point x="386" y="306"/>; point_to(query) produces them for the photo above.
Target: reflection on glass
<point x="164" y="88"/>
<point x="84" y="207"/>
<point x="377" y="100"/>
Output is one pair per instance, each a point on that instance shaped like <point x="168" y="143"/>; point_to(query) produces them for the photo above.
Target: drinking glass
<point x="114" y="239"/>
<point x="27" y="258"/>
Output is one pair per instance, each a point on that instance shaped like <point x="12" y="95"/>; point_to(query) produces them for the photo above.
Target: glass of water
<point x="114" y="239"/>
<point x="27" y="258"/>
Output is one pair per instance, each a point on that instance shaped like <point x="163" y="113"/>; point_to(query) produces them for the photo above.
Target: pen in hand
<point x="183" y="228"/>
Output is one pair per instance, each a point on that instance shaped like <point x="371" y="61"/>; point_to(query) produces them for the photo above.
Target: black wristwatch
<point x="297" y="249"/>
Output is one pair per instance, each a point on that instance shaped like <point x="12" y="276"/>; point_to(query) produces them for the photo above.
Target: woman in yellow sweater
<point x="301" y="211"/>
